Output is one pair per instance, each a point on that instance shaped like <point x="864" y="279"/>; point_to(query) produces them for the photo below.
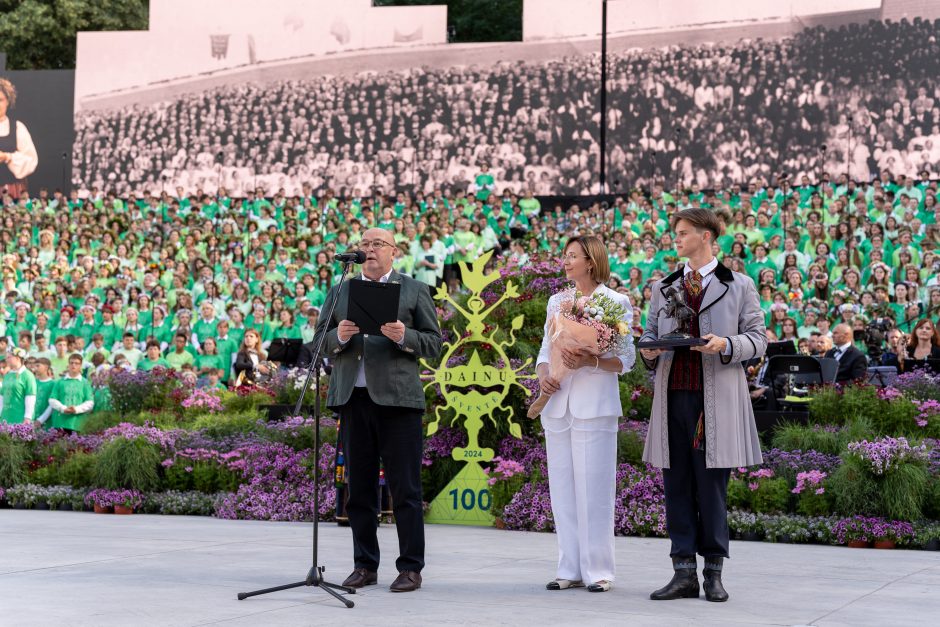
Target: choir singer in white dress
<point x="580" y="422"/>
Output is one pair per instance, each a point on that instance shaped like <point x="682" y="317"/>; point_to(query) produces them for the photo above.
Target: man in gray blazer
<point x="702" y="423"/>
<point x="375" y="389"/>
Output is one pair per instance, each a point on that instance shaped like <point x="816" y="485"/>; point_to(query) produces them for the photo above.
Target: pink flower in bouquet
<point x="582" y="324"/>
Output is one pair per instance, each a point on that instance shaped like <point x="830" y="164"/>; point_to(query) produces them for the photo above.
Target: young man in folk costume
<point x="702" y="423"/>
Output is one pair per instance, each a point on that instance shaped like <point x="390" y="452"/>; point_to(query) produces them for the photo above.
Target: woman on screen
<point x="17" y="153"/>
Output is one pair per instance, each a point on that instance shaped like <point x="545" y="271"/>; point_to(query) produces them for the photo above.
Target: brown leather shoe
<point x="361" y="577"/>
<point x="407" y="581"/>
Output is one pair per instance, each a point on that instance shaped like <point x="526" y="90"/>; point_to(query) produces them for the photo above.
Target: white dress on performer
<point x="580" y="422"/>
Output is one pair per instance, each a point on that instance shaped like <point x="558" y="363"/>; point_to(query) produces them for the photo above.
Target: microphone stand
<point x="315" y="574"/>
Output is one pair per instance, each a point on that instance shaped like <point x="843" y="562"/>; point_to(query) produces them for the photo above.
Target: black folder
<point x="372" y="304"/>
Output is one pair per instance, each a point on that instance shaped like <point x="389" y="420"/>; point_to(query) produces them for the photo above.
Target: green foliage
<point x="932" y="499"/>
<point x="249" y="403"/>
<point x="126" y="463"/>
<point x="504" y="489"/>
<point x="638" y="379"/>
<point x="13" y="459"/>
<point x="790" y="436"/>
<point x="858" y="401"/>
<point x="203" y="476"/>
<point x="100" y="421"/>
<point x="855" y="489"/>
<point x="771" y="496"/>
<point x="855" y="430"/>
<point x="40" y="34"/>
<point x="861" y="402"/>
<point x="812" y="504"/>
<point x="739" y="495"/>
<point x="47" y="475"/>
<point x="826" y="407"/>
<point x="226" y="423"/>
<point x="903" y="492"/>
<point x="476" y="20"/>
<point x="894" y="417"/>
<point x="630" y="448"/>
<point x="78" y="470"/>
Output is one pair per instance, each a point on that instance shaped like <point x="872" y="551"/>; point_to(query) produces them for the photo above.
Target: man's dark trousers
<point x="394" y="434"/>
<point x="696" y="509"/>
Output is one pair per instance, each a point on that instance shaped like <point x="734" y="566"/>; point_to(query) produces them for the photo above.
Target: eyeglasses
<point x="373" y="244"/>
<point x="570" y="257"/>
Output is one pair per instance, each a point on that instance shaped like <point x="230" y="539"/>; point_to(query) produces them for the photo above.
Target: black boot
<point x="714" y="591"/>
<point x="684" y="584"/>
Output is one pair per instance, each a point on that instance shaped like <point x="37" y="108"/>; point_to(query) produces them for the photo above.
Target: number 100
<point x="470" y="500"/>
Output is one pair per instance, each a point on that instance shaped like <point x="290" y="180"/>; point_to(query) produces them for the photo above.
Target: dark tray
<point x="672" y="343"/>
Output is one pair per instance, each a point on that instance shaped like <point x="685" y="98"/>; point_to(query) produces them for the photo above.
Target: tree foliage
<point x="40" y="34"/>
<point x="476" y="20"/>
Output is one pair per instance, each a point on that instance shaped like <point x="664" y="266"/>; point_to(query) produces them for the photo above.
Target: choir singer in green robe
<point x="72" y="397"/>
<point x="18" y="401"/>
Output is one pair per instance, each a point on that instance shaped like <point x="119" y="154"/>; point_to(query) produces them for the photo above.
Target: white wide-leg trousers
<point x="582" y="476"/>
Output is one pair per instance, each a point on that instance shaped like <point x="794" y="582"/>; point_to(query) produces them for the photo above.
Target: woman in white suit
<point x="580" y="422"/>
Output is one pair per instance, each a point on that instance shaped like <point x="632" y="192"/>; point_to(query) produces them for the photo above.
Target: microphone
<point x="356" y="256"/>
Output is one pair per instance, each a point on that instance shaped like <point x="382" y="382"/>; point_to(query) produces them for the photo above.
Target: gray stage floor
<point x="61" y="568"/>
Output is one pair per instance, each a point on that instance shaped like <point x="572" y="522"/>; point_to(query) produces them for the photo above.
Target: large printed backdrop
<point x="354" y="97"/>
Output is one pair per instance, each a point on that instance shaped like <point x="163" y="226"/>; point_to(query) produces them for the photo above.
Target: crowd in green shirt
<point x="175" y="280"/>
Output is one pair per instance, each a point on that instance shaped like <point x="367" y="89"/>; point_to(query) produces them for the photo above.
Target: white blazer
<point x="587" y="392"/>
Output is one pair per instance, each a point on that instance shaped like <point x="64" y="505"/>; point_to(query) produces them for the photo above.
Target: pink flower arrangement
<point x="600" y="313"/>
<point x="202" y="398"/>
<point x="756" y="476"/>
<point x="582" y="324"/>
<point x="889" y="394"/>
<point x="504" y="469"/>
<point x="928" y="409"/>
<point x="810" y="480"/>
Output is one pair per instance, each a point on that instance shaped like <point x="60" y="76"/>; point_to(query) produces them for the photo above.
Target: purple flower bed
<point x="530" y="509"/>
<point x="442" y="443"/>
<point x="109" y="498"/>
<point x="528" y="451"/>
<point x="128" y="431"/>
<point x="278" y="484"/>
<point x="640" y="507"/>
<point x="869" y="529"/>
<point x="886" y="453"/>
<point x="790" y="463"/>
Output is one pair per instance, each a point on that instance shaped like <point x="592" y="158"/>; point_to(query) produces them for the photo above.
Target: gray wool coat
<point x="730" y="308"/>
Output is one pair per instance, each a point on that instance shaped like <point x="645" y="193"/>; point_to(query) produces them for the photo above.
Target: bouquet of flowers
<point x="587" y="323"/>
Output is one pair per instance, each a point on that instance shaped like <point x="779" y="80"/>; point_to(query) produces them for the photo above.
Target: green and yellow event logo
<point x="473" y="392"/>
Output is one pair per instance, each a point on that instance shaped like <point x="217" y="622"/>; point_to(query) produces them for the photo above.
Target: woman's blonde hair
<point x="8" y="90"/>
<point x="596" y="252"/>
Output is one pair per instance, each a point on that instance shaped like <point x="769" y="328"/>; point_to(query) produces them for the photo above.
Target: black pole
<point x="315" y="575"/>
<point x="822" y="167"/>
<point x="65" y="190"/>
<point x="414" y="170"/>
<point x="652" y="170"/>
<point x="220" y="157"/>
<point x="603" y="122"/>
<point x="678" y="163"/>
<point x="848" y="152"/>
